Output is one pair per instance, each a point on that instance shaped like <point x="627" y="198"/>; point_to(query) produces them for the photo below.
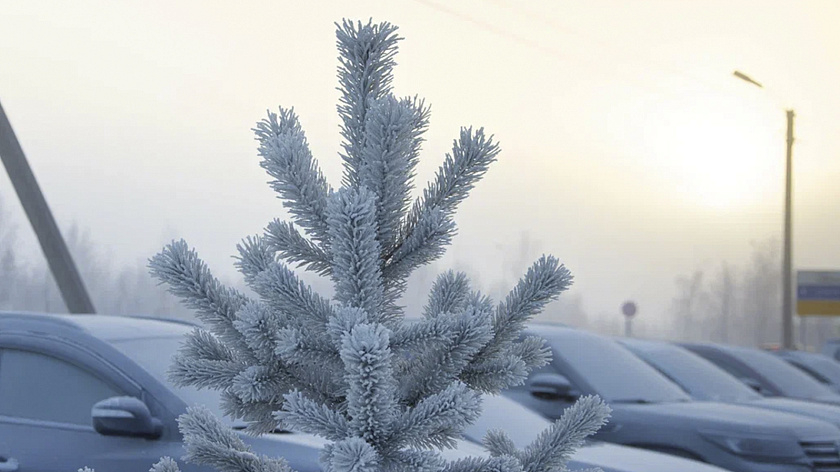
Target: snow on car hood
<point x="464" y="449"/>
<point x="302" y="450"/>
<point x="821" y="411"/>
<point x="615" y="458"/>
<point x="734" y="418"/>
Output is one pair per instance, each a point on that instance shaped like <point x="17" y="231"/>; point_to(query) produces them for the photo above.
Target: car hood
<point x="830" y="398"/>
<point x="733" y="418"/>
<point x="302" y="451"/>
<point x="615" y="458"/>
<point x="828" y="413"/>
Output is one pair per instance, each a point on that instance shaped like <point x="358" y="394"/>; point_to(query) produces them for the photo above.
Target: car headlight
<point x="755" y="445"/>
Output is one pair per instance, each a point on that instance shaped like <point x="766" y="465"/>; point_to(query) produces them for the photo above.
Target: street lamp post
<point x="787" y="259"/>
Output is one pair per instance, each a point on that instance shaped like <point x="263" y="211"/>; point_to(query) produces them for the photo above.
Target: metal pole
<point x="787" y="277"/>
<point x="803" y="335"/>
<point x="726" y="308"/>
<point x="628" y="326"/>
<point x="52" y="243"/>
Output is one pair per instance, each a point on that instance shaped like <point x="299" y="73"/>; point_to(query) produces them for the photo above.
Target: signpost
<point x="818" y="293"/>
<point x="629" y="310"/>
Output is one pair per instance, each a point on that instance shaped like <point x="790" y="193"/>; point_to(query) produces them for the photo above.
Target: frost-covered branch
<point x="431" y="371"/>
<point x="188" y="278"/>
<point x="355" y="250"/>
<point x="393" y="133"/>
<point x="471" y="156"/>
<point x="301" y="414"/>
<point x="555" y="445"/>
<point x="209" y="442"/>
<point x="366" y="57"/>
<point x="371" y="395"/>
<point x="284" y="239"/>
<point x="297" y="178"/>
<point x="504" y="362"/>
<point x="438" y="419"/>
<point x="449" y="294"/>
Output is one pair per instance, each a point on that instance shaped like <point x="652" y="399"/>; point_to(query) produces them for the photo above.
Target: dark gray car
<point x="55" y="370"/>
<point x="822" y="368"/>
<point x="706" y="382"/>
<point x="831" y="348"/>
<point x="766" y="373"/>
<point x="651" y="412"/>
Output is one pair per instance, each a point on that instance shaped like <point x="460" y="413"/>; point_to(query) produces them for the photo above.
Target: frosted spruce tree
<point x="386" y="392"/>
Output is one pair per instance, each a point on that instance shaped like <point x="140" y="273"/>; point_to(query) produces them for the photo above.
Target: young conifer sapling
<point x="386" y="392"/>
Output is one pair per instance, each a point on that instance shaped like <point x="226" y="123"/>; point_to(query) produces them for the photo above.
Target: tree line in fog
<point x="28" y="285"/>
<point x="737" y="304"/>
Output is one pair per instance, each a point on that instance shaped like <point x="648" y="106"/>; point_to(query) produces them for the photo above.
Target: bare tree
<point x="690" y="306"/>
<point x="762" y="294"/>
<point x="8" y="262"/>
<point x="29" y="286"/>
<point x="724" y="299"/>
<point x="735" y="306"/>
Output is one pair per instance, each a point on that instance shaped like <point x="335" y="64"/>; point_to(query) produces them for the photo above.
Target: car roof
<point x="708" y="346"/>
<point x="106" y="327"/>
<point x="802" y="355"/>
<point x="729" y="350"/>
<point x="555" y="330"/>
<point x="643" y="344"/>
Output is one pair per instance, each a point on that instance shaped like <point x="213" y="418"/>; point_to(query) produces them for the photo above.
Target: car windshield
<point x="155" y="356"/>
<point x="615" y="373"/>
<point x="499" y="412"/>
<point x="791" y="381"/>
<point x="822" y="365"/>
<point x="697" y="376"/>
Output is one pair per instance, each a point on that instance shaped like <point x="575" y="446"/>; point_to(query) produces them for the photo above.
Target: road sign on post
<point x="628" y="309"/>
<point x="818" y="293"/>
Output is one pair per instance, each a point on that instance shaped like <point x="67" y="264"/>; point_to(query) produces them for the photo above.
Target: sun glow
<point x="721" y="154"/>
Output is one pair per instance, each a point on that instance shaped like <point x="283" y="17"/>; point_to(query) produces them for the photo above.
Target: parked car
<point x="61" y="375"/>
<point x="523" y="426"/>
<point x="65" y="379"/>
<point x="819" y="366"/>
<point x="651" y="412"/>
<point x="767" y="374"/>
<point x="707" y="382"/>
<point x="831" y="348"/>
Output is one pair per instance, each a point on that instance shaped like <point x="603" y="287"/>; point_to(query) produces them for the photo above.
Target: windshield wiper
<point x="637" y="401"/>
<point x="276" y="431"/>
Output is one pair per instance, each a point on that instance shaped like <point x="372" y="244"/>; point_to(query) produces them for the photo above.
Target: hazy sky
<point x="629" y="149"/>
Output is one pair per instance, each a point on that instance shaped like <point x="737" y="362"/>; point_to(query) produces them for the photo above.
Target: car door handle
<point x="8" y="464"/>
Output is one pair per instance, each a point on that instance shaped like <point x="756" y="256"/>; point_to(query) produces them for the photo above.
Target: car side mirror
<point x="753" y="384"/>
<point x="125" y="416"/>
<point x="551" y="387"/>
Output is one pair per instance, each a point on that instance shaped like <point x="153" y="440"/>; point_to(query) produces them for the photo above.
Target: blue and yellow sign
<point x="818" y="293"/>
